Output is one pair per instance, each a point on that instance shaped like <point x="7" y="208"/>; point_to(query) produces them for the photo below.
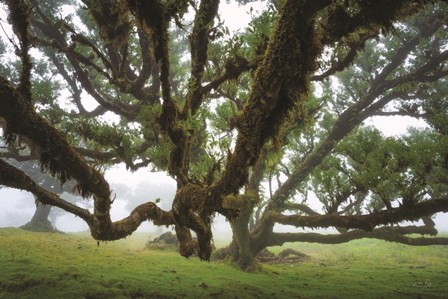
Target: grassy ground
<point x="39" y="265"/>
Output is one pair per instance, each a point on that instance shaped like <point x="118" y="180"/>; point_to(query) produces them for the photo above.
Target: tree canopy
<point x="251" y="124"/>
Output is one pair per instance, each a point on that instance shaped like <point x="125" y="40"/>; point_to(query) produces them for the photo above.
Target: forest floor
<point x="41" y="265"/>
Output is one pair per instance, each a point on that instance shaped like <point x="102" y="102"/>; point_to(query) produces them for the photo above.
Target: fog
<point x="132" y="189"/>
<point x="129" y="190"/>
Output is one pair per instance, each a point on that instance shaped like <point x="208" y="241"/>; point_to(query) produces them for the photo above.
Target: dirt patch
<point x="286" y="256"/>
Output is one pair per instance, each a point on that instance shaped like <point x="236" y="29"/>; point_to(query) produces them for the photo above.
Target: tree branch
<point x="280" y="84"/>
<point x="55" y="152"/>
<point x="341" y="64"/>
<point x="391" y="234"/>
<point x="366" y="222"/>
<point x="76" y="59"/>
<point x="15" y="178"/>
<point x="199" y="41"/>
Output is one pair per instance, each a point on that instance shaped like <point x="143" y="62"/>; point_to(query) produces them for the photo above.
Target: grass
<point x="40" y="265"/>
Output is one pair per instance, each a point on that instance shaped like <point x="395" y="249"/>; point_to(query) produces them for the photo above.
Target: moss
<point x="281" y="85"/>
<point x="112" y="17"/>
<point x="369" y="16"/>
<point x="191" y="210"/>
<point x="56" y="154"/>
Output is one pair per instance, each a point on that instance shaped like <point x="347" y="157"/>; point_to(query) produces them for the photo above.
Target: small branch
<point x="76" y="59"/>
<point x="401" y="113"/>
<point x="145" y="71"/>
<point x="300" y="207"/>
<point x="234" y="68"/>
<point x="346" y="61"/>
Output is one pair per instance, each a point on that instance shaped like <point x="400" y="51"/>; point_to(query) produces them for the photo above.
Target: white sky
<point x="395" y="125"/>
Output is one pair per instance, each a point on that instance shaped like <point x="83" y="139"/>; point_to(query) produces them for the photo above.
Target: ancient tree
<point x="251" y="125"/>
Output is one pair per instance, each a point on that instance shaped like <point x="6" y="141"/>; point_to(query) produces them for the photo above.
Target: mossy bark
<point x="242" y="254"/>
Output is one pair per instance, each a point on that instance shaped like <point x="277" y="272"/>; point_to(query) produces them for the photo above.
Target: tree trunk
<point x="241" y="250"/>
<point x="245" y="244"/>
<point x="40" y="221"/>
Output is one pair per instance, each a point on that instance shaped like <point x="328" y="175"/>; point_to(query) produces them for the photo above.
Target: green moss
<point x="41" y="265"/>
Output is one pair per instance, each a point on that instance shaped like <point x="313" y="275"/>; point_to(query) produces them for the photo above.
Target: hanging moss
<point x="56" y="154"/>
<point x="112" y="17"/>
<point x="281" y="84"/>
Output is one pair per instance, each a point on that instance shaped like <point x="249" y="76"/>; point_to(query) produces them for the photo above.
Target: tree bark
<point x="243" y="254"/>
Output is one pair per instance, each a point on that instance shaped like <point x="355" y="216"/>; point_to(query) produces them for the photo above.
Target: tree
<point x="40" y="221"/>
<point x="222" y="113"/>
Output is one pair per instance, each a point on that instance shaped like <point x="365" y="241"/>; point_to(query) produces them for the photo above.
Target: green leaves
<point x="385" y="171"/>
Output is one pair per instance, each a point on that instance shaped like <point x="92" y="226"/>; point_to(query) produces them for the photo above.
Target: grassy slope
<point x="39" y="265"/>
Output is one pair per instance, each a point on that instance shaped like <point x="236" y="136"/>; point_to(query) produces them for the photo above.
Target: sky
<point x="17" y="207"/>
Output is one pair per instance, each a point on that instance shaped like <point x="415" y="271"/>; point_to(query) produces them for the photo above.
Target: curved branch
<point x="55" y="152"/>
<point x="366" y="222"/>
<point x="15" y="178"/>
<point x="391" y="234"/>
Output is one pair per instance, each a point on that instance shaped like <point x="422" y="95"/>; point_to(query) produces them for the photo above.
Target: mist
<point x="129" y="190"/>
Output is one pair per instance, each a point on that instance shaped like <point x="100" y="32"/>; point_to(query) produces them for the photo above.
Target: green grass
<point x="40" y="265"/>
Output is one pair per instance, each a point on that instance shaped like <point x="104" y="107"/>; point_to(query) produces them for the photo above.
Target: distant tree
<point x="226" y="114"/>
<point x="40" y="221"/>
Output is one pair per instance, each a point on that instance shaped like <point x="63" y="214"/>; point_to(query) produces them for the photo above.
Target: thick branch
<point x="55" y="152"/>
<point x="15" y="178"/>
<point x="281" y="83"/>
<point x="19" y="13"/>
<point x="372" y="16"/>
<point x="155" y="17"/>
<point x="366" y="222"/>
<point x="391" y="234"/>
